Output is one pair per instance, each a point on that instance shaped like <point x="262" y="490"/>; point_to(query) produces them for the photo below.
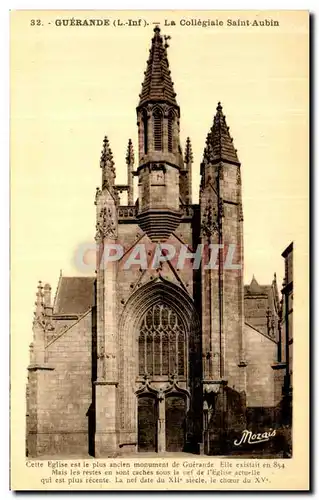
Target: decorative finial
<point x="219" y="107"/>
<point x="106" y="153"/>
<point x="157" y="29"/>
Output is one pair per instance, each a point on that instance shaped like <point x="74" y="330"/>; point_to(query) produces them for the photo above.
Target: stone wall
<point x="261" y="353"/>
<point x="63" y="394"/>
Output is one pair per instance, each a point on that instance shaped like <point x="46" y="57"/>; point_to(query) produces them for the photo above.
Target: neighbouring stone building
<point x="165" y="358"/>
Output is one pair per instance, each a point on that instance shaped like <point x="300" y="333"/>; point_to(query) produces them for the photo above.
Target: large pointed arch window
<point x="158" y="130"/>
<point x="162" y="342"/>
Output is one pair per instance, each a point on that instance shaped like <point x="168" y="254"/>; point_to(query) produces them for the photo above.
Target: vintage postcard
<point x="159" y="249"/>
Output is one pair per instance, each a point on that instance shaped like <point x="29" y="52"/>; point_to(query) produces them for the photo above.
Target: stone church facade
<point x="165" y="358"/>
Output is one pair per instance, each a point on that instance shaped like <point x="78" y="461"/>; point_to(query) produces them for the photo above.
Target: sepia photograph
<point x="159" y="165"/>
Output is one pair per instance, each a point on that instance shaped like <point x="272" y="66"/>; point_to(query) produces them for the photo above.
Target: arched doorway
<point x="147" y="423"/>
<point x="175" y="422"/>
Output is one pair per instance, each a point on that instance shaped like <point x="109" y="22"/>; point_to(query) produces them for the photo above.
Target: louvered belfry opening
<point x="170" y="131"/>
<point x="158" y="130"/>
<point x="145" y="131"/>
<point x="162" y="343"/>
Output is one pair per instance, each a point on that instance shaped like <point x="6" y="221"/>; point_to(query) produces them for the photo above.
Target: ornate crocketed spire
<point x="107" y="165"/>
<point x="188" y="158"/>
<point x="158" y="85"/>
<point x="219" y="143"/>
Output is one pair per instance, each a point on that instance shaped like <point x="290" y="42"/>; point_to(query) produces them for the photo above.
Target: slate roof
<point x="75" y="295"/>
<point x="157" y="85"/>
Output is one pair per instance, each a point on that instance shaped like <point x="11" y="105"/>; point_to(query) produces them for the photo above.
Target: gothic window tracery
<point x="162" y="342"/>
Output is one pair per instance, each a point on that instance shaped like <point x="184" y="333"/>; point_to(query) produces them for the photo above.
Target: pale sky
<point x="70" y="86"/>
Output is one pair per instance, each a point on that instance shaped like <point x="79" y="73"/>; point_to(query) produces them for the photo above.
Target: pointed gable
<point x="157" y="85"/>
<point x="254" y="288"/>
<point x="262" y="307"/>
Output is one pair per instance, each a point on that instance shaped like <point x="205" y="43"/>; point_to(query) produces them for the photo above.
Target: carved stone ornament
<point x="240" y="213"/>
<point x="210" y="220"/>
<point x="221" y="208"/>
<point x="101" y="364"/>
<point x="213" y="386"/>
<point x="97" y="195"/>
<point x="105" y="227"/>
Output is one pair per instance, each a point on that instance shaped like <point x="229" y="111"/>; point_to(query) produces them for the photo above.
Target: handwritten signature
<point x="250" y="438"/>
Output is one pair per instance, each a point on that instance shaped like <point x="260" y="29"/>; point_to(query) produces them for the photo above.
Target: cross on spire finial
<point x="166" y="37"/>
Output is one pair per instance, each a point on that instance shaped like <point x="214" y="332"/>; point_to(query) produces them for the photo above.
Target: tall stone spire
<point x="223" y="289"/>
<point x="160" y="158"/>
<point x="219" y="143"/>
<point x="157" y="85"/>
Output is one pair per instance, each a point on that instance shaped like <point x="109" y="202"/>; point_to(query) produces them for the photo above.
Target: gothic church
<point x="161" y="359"/>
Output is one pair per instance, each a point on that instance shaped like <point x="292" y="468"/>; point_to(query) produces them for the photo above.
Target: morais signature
<point x="250" y="438"/>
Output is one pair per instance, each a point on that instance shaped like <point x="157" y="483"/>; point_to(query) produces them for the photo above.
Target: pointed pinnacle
<point x="39" y="299"/>
<point x="188" y="151"/>
<point x="106" y="153"/>
<point x="130" y="153"/>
